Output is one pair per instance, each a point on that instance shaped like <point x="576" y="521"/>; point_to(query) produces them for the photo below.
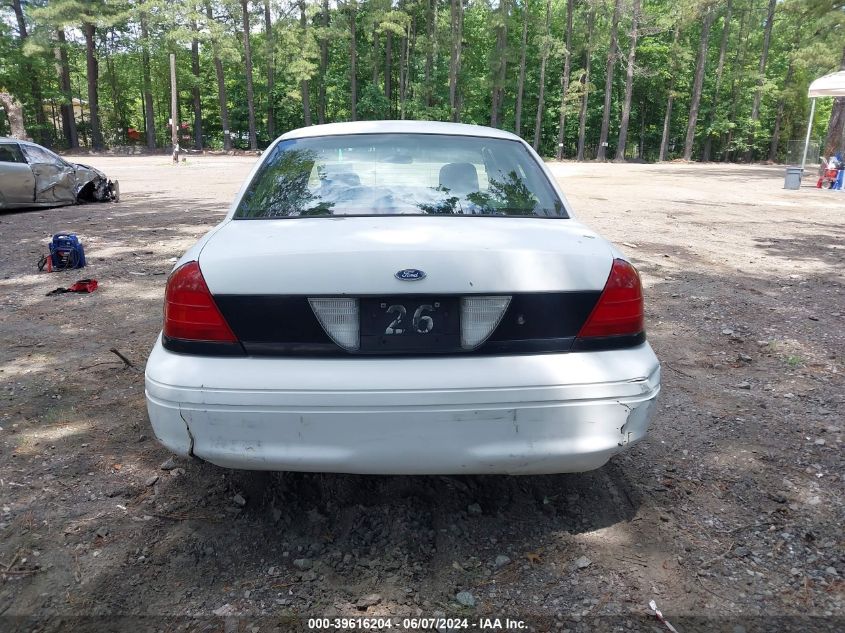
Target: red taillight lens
<point x="189" y="309"/>
<point x="619" y="310"/>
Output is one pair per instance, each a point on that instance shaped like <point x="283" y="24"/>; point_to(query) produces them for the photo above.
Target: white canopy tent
<point x="832" y="85"/>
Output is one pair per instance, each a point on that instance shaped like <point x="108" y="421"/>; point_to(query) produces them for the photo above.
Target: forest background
<point x="712" y="80"/>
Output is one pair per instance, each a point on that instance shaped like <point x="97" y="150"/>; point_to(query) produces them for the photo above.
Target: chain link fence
<point x="795" y="152"/>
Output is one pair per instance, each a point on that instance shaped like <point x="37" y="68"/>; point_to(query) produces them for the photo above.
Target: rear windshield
<point x="399" y="174"/>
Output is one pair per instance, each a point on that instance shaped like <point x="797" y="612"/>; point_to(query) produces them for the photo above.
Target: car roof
<point x="398" y="127"/>
<point x="10" y="139"/>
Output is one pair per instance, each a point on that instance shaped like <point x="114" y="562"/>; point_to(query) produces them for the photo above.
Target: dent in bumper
<point x="172" y="432"/>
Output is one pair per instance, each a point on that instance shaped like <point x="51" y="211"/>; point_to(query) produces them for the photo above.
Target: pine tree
<point x="698" y="82"/>
<point x="629" y="83"/>
<point x="612" y="52"/>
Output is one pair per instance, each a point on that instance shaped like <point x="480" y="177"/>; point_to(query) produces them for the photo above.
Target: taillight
<point x="619" y="310"/>
<point x="189" y="310"/>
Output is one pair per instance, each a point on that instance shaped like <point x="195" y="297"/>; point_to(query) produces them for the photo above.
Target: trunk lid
<point x="361" y="255"/>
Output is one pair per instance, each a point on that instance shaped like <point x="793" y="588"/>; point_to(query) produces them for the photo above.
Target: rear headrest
<point x="459" y="178"/>
<point x="341" y="176"/>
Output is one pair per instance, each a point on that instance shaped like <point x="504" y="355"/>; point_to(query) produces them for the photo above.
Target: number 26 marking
<point x="394" y="328"/>
<point x="422" y="323"/>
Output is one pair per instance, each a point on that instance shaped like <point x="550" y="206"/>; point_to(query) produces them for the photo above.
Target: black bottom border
<point x="475" y="622"/>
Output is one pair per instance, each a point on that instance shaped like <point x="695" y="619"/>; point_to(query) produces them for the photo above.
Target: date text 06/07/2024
<point x="415" y="623"/>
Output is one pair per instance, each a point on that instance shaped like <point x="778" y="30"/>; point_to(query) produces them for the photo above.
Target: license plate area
<point x="410" y="324"/>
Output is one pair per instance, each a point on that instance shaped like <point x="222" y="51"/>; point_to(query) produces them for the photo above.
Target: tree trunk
<point x="667" y="119"/>
<point x="14" y="113"/>
<point x="250" y="92"/>
<point x="738" y="65"/>
<point x="271" y="71"/>
<point x="404" y="69"/>
<point x="375" y="54"/>
<point x="723" y="47"/>
<point x="641" y="148"/>
<point x="629" y="83"/>
<point x="698" y="82"/>
<point x="149" y="118"/>
<point x="175" y="112"/>
<point x="82" y="119"/>
<point x="410" y="53"/>
<point x="388" y="72"/>
<point x="455" y="60"/>
<point x="761" y="77"/>
<point x="305" y="84"/>
<point x="836" y="125"/>
<point x="429" y="51"/>
<point x="93" y="89"/>
<point x="585" y="80"/>
<point x="521" y="82"/>
<point x="63" y="72"/>
<point x="116" y="98"/>
<point x="195" y="89"/>
<point x="835" y="128"/>
<point x="773" y="147"/>
<point x="53" y="120"/>
<point x="601" y="152"/>
<point x="500" y="72"/>
<point x="32" y="77"/>
<point x="353" y="58"/>
<point x="221" y="85"/>
<point x="544" y="58"/>
<point x="667" y="124"/>
<point x="564" y="80"/>
<point x="324" y="65"/>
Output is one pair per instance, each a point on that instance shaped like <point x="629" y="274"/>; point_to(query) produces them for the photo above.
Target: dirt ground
<point x="729" y="516"/>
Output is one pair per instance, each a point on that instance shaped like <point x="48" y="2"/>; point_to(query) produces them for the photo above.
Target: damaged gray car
<point x="32" y="176"/>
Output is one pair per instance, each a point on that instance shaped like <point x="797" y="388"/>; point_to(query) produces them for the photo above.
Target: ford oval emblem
<point x="410" y="274"/>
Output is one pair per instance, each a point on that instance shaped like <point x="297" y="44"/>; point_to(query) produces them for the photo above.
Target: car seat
<point x="459" y="178"/>
<point x="335" y="177"/>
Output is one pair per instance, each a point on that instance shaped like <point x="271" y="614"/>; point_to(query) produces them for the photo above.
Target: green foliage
<point x="372" y="104"/>
<point x="808" y="39"/>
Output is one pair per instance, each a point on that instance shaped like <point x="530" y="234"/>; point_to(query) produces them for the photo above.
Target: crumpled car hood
<point x="82" y="169"/>
<point x="102" y="188"/>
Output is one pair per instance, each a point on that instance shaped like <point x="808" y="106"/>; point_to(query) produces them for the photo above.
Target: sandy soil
<point x="729" y="516"/>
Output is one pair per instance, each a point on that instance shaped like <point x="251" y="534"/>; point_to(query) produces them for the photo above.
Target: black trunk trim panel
<point x="202" y="348"/>
<point x="285" y="325"/>
<point x="600" y="343"/>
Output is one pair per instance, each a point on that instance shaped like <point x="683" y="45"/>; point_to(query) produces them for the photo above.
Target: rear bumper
<point x="545" y="413"/>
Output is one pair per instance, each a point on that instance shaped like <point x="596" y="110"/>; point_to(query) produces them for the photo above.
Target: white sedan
<point x="402" y="298"/>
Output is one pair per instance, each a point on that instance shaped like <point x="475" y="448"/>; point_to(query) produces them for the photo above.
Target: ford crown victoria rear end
<point x="404" y="298"/>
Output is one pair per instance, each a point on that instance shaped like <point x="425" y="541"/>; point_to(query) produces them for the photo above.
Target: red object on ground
<point x="84" y="285"/>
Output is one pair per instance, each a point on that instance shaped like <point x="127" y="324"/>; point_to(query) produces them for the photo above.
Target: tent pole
<point x="809" y="129"/>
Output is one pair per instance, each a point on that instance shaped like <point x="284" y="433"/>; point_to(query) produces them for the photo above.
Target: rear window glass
<point x="399" y="174"/>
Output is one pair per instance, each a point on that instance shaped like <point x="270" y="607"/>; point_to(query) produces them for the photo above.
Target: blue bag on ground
<point x="66" y="252"/>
